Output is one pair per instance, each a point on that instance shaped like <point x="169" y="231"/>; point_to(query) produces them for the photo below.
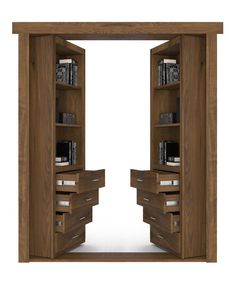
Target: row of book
<point x="168" y="71"/>
<point x="67" y="71"/>
<point x="66" y="153"/>
<point x="169" y="153"/>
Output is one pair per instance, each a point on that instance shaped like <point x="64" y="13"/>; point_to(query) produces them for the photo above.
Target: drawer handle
<point x="152" y="218"/>
<point x="75" y="236"/>
<point x="139" y="179"/>
<point x="82" y="218"/>
<point x="160" y="237"/>
<point x="95" y="179"/>
<point x="169" y="182"/>
<point x="146" y="199"/>
<point x="89" y="199"/>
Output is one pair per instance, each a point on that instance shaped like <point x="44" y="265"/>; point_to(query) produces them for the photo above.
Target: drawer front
<point x="155" y="181"/>
<point x="72" y="201"/>
<point x="80" y="181"/>
<point x="165" y="240"/>
<point x="162" y="201"/>
<point x="69" y="240"/>
<point x="66" y="222"/>
<point x="167" y="222"/>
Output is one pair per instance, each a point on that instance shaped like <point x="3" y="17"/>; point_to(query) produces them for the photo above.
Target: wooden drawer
<point x="80" y="181"/>
<point x="165" y="202"/>
<point x="165" y="240"/>
<point x="66" y="222"/>
<point x="155" y="181"/>
<point x="169" y="222"/>
<point x="70" y="202"/>
<point x="69" y="240"/>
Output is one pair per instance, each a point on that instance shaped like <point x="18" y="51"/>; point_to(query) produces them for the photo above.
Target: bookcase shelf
<point x="68" y="125"/>
<point x="63" y="86"/>
<point x="166" y="125"/>
<point x="68" y="168"/>
<point x="167" y="168"/>
<point x="172" y="86"/>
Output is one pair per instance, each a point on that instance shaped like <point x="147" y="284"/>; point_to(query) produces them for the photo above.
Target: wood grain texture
<point x="23" y="147"/>
<point x="42" y="145"/>
<point x="211" y="146"/>
<point x="193" y="146"/>
<point x="117" y="30"/>
<point x="117" y="257"/>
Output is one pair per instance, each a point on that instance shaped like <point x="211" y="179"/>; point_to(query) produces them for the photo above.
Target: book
<point x="173" y="159"/>
<point x="167" y="71"/>
<point x="67" y="71"/>
<point x="68" y="149"/>
<point x="172" y="163"/>
<point x="167" y="149"/>
<point x="63" y="164"/>
<point x="61" y="159"/>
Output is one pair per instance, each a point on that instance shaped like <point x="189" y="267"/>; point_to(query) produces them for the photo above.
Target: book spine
<point x="164" y="152"/>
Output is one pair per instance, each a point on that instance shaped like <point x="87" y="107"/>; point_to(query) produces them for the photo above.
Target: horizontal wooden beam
<point x="117" y="30"/>
<point x="117" y="257"/>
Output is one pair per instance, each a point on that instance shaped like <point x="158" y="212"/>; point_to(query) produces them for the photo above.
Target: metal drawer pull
<point x="82" y="218"/>
<point x="95" y="179"/>
<point x="152" y="218"/>
<point x="160" y="237"/>
<point x="75" y="236"/>
<point x="89" y="199"/>
<point x="146" y="199"/>
<point x="139" y="179"/>
<point x="59" y="223"/>
<point x="176" y="223"/>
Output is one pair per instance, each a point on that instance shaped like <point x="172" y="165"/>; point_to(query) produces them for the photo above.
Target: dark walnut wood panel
<point x="66" y="222"/>
<point x="165" y="202"/>
<point x="167" y="168"/>
<point x="154" y="181"/>
<point x="64" y="47"/>
<point x="66" y="242"/>
<point x="118" y="30"/>
<point x="80" y="181"/>
<point x="167" y="241"/>
<point x="24" y="57"/>
<point x="42" y="138"/>
<point x="68" y="168"/>
<point x="168" y="222"/>
<point x="193" y="151"/>
<point x="71" y="202"/>
<point x="117" y="257"/>
<point x="211" y="148"/>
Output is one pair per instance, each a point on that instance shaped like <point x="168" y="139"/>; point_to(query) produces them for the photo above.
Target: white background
<point x="119" y="278"/>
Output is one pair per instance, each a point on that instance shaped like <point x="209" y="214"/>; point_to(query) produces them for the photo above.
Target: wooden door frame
<point x="119" y="31"/>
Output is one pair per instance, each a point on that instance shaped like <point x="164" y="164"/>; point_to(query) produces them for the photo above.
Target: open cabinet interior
<point x="57" y="192"/>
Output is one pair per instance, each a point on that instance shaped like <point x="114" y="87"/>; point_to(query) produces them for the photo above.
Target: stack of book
<point x="171" y="117"/>
<point x="66" y="118"/>
<point x="168" y="150"/>
<point x="173" y="161"/>
<point x="168" y="71"/>
<point x="67" y="71"/>
<point x="66" y="152"/>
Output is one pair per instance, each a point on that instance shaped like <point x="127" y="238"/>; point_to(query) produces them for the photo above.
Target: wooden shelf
<point x="172" y="86"/>
<point x="167" y="125"/>
<point x="68" y="125"/>
<point x="63" y="86"/>
<point x="68" y="168"/>
<point x="167" y="168"/>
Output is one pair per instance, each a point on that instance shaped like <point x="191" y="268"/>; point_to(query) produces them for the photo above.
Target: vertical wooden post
<point x="211" y="146"/>
<point x="23" y="147"/>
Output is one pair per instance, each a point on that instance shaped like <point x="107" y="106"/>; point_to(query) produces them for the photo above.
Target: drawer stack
<point x="76" y="194"/>
<point x="158" y="193"/>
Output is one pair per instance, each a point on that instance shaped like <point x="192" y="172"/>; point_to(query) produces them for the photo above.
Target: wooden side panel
<point x="193" y="150"/>
<point x="42" y="145"/>
<point x="23" y="147"/>
<point x="211" y="139"/>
